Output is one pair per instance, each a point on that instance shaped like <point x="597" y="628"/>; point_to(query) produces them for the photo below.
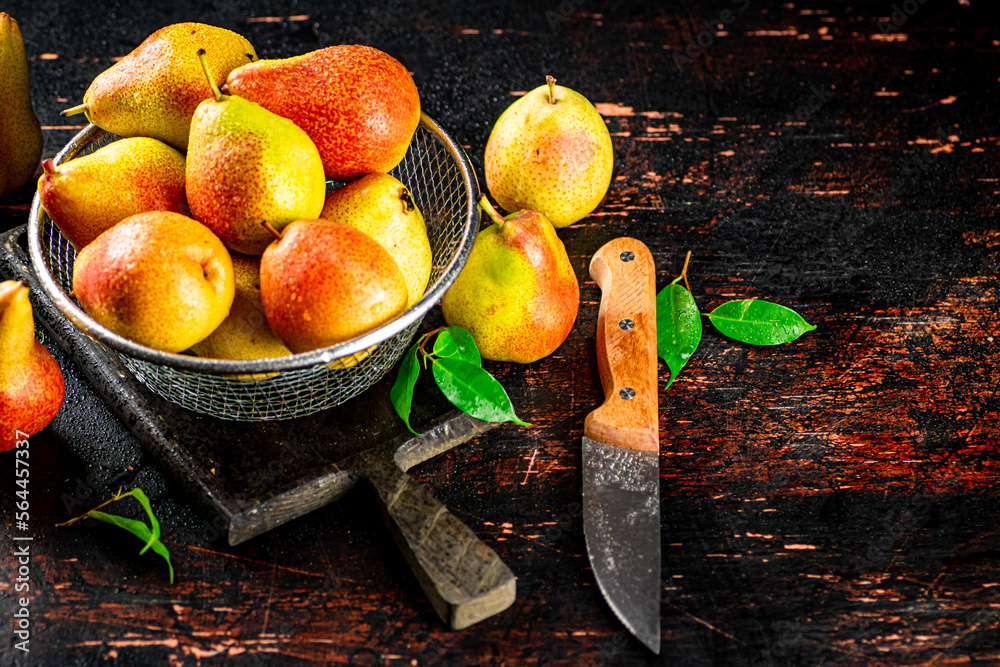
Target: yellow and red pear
<point x="20" y="131"/>
<point x="32" y="387"/>
<point x="550" y="152"/>
<point x="246" y="271"/>
<point x="247" y="165"/>
<point x="154" y="90"/>
<point x="245" y="333"/>
<point x="357" y="103"/>
<point x="517" y="294"/>
<point x="89" y="194"/>
<point x="323" y="282"/>
<point x="159" y="279"/>
<point x="382" y="207"/>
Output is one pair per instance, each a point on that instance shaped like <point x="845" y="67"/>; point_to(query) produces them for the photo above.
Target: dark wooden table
<point x="831" y="501"/>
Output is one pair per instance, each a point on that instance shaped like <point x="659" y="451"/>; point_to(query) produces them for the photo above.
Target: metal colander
<point x="443" y="187"/>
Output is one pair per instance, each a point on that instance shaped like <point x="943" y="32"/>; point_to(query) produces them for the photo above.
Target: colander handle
<point x="464" y="578"/>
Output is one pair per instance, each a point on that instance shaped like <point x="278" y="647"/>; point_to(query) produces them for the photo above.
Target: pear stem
<point x="48" y="167"/>
<point x="495" y="216"/>
<point x="269" y="227"/>
<point x="404" y="196"/>
<point x="549" y="79"/>
<point x="72" y="111"/>
<point x="117" y="497"/>
<point x="204" y="65"/>
<point x="426" y="337"/>
<point x="684" y="271"/>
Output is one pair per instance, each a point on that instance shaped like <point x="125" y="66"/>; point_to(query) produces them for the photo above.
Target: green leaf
<point x="160" y="550"/>
<point x="140" y="530"/>
<point x="134" y="526"/>
<point x="154" y="534"/>
<point x="401" y="393"/>
<point x="473" y="390"/>
<point x="457" y="342"/>
<point x="759" y="322"/>
<point x="678" y="327"/>
<point x="150" y="535"/>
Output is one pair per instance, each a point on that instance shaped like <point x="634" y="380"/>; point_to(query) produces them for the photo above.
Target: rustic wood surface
<point x="831" y="501"/>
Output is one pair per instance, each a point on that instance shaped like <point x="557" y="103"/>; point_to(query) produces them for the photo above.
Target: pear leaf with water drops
<point x="457" y="369"/>
<point x="457" y="342"/>
<point x="678" y="327"/>
<point x="759" y="322"/>
<point x="473" y="390"/>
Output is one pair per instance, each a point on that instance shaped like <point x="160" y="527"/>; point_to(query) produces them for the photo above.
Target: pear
<point x="32" y="387"/>
<point x="323" y="282"/>
<point x="550" y="152"/>
<point x="517" y="294"/>
<point x="359" y="104"/>
<point x="381" y="207"/>
<point x="246" y="272"/>
<point x="159" y="279"/>
<point x="246" y="165"/>
<point x="245" y="333"/>
<point x="20" y="132"/>
<point x="89" y="194"/>
<point x="154" y="90"/>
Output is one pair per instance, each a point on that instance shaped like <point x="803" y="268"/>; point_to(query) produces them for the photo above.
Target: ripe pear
<point x="159" y="279"/>
<point x="245" y="333"/>
<point x="246" y="271"/>
<point x="550" y="152"/>
<point x="89" y="194"/>
<point x="517" y="294"/>
<point x="246" y="165"/>
<point x="32" y="387"/>
<point x="381" y="207"/>
<point x="155" y="89"/>
<point x="323" y="282"/>
<point x="359" y="104"/>
<point x="20" y="132"/>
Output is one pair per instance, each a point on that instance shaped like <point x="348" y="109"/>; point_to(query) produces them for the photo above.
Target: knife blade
<point x="620" y="450"/>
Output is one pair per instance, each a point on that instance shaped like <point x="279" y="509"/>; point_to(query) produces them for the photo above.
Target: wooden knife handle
<point x="464" y="579"/>
<point x="626" y="347"/>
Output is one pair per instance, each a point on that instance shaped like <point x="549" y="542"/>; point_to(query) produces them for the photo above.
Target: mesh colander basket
<point x="443" y="187"/>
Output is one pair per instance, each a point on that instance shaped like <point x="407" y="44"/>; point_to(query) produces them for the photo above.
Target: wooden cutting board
<point x="249" y="477"/>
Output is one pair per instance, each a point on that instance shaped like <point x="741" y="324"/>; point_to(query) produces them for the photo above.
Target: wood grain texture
<point x="832" y="501"/>
<point x="464" y="579"/>
<point x="626" y="347"/>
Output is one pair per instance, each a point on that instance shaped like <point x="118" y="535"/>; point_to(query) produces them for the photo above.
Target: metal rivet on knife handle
<point x="627" y="256"/>
<point x="626" y="324"/>
<point x="628" y="393"/>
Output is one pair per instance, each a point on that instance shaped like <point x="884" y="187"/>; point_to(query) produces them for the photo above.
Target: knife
<point x="620" y="456"/>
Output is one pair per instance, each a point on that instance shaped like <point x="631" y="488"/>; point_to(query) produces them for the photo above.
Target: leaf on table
<point x="154" y="525"/>
<point x="150" y="535"/>
<point x="678" y="327"/>
<point x="140" y="530"/>
<point x="759" y="322"/>
<point x="401" y="393"/>
<point x="473" y="390"/>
